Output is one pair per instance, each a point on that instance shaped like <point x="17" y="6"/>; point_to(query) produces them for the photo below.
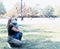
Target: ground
<point x="35" y="36"/>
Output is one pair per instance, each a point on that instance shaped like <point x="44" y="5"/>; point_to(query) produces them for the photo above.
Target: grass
<point x="34" y="37"/>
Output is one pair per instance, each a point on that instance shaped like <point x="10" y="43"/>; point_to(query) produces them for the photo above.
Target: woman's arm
<point x="14" y="29"/>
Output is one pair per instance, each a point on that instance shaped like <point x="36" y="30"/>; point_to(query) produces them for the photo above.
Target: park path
<point x="34" y="21"/>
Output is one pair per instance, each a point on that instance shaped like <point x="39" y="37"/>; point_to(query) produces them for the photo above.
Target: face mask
<point x="14" y="22"/>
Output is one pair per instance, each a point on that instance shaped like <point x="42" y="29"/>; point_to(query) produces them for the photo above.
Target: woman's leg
<point x="14" y="42"/>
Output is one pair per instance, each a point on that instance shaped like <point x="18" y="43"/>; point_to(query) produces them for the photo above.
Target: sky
<point x="31" y="3"/>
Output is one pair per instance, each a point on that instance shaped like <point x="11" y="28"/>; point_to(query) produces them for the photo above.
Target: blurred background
<point x="29" y="8"/>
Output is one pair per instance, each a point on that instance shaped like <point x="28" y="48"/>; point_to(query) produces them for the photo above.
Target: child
<point x="17" y="35"/>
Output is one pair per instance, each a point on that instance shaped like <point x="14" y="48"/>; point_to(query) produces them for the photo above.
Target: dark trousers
<point x="14" y="42"/>
<point x="18" y="35"/>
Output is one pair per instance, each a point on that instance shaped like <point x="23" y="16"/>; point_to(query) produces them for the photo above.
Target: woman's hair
<point x="9" y="21"/>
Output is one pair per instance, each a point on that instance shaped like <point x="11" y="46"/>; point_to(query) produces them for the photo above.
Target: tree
<point x="34" y="12"/>
<point x="57" y="11"/>
<point x="48" y="11"/>
<point x="2" y="9"/>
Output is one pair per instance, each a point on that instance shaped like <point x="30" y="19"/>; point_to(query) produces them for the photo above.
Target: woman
<point x="13" y="32"/>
